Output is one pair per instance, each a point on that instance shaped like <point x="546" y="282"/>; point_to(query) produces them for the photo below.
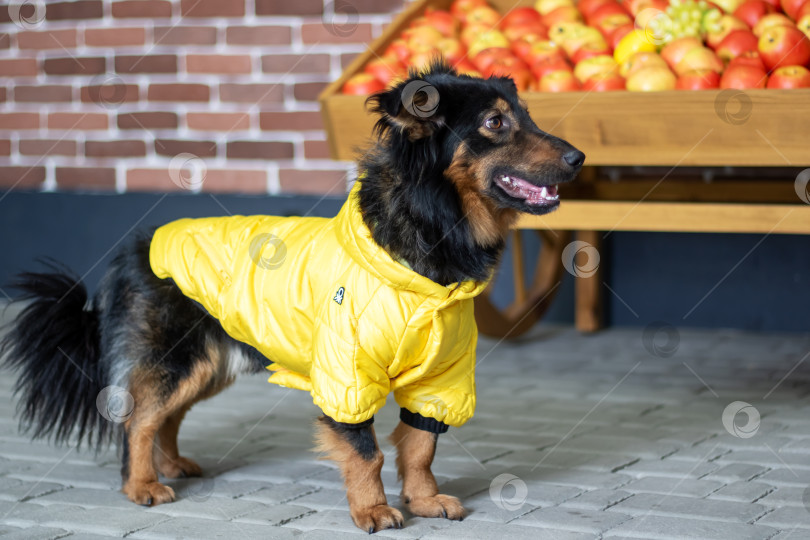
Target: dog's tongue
<point x="532" y="194"/>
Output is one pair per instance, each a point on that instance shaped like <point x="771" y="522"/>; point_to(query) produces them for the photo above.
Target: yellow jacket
<point x="331" y="309"/>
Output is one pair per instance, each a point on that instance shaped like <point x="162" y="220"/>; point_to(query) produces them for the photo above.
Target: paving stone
<point x="275" y="515"/>
<point x="673" y="486"/>
<point x="786" y="477"/>
<point x="737" y="471"/>
<point x="668" y="528"/>
<point x="570" y="519"/>
<point x="105" y="521"/>
<point x="12" y="489"/>
<point x="203" y="529"/>
<point x="498" y="509"/>
<point x="742" y="492"/>
<point x="481" y="530"/>
<point x="597" y="499"/>
<point x="275" y="471"/>
<point x="207" y="508"/>
<point x="670" y="468"/>
<point x="566" y="459"/>
<point x="280" y="493"/>
<point x="35" y="533"/>
<point x="685" y="507"/>
<point x="88" y="498"/>
<point x="785" y="496"/>
<point x="787" y="518"/>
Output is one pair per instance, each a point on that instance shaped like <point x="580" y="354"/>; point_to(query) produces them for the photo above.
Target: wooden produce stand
<point x="672" y="129"/>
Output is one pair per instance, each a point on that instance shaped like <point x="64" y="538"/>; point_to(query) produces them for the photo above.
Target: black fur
<point x="360" y="436"/>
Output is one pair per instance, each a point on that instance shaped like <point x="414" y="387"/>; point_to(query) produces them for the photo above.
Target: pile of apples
<point x="603" y="45"/>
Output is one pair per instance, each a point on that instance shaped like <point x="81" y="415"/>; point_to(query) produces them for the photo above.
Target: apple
<point x="492" y="38"/>
<point x="597" y="65"/>
<point x="573" y="41"/>
<point x="516" y="31"/>
<point x="386" y="68"/>
<point x="516" y="69"/>
<point x="522" y="46"/>
<point x="618" y="34"/>
<point x="726" y="25"/>
<point x="640" y="60"/>
<point x="562" y="31"/>
<point x="736" y="43"/>
<point x="362" y="84"/>
<point x="424" y="58"/>
<point x="743" y="77"/>
<point x="606" y="10"/>
<point x="699" y="58"/>
<point x="547" y="6"/>
<point x="728" y="6"/>
<point x="451" y="49"/>
<point x="561" y="15"/>
<point x="443" y="21"/>
<point x="465" y="67"/>
<point x="483" y="15"/>
<point x="421" y="37"/>
<point x="559" y="81"/>
<point x="771" y="19"/>
<point x="460" y="8"/>
<point x="784" y="46"/>
<point x="520" y="16"/>
<point x="604" y="84"/>
<point x="675" y="50"/>
<point x="637" y="6"/>
<point x="751" y="11"/>
<point x="791" y="7"/>
<point x="487" y="57"/>
<point x="790" y="77"/>
<point x="651" y="79"/>
<point x="545" y="66"/>
<point x="586" y="7"/>
<point x="701" y="79"/>
<point x="543" y="49"/>
<point x="776" y="4"/>
<point x="607" y="25"/>
<point x="398" y="48"/>
<point x="590" y="50"/>
<point x="748" y="58"/>
<point x="803" y="22"/>
<point x="471" y="32"/>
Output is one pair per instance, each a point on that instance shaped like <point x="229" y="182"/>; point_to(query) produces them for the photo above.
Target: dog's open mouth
<point x="526" y="191"/>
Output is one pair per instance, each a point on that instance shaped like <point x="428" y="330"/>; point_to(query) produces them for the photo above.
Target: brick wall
<point x="160" y="95"/>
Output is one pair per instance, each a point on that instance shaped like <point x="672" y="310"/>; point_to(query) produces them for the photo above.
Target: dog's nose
<point x="574" y="158"/>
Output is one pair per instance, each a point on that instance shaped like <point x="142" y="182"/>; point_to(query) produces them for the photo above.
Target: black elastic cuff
<point x="417" y="421"/>
<point x="344" y="425"/>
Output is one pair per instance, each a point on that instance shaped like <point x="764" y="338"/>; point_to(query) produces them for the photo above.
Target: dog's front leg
<point x="415" y="450"/>
<point x="354" y="448"/>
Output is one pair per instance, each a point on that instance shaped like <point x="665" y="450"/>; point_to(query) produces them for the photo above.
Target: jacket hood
<point x="355" y="237"/>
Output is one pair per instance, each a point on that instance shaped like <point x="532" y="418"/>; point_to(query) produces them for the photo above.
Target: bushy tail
<point x="53" y="345"/>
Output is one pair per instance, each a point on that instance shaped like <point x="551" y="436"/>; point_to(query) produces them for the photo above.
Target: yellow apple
<point x="651" y="79"/>
<point x="596" y="65"/>
<point x="640" y="60"/>
<point x="546" y="6"/>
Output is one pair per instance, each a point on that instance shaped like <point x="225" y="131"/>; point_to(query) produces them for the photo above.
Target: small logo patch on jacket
<point x="339" y="296"/>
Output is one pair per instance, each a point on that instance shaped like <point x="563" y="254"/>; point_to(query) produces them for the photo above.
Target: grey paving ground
<point x="625" y="434"/>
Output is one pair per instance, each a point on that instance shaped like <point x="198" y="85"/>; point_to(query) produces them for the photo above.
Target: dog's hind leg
<point x="415" y="451"/>
<point x="169" y="461"/>
<point x="354" y="448"/>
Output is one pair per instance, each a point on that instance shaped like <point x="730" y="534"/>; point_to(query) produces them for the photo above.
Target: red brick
<point x="218" y="121"/>
<point x="159" y="63"/>
<point x="259" y="150"/>
<point x="167" y="147"/>
<point x="2" y="94"/>
<point x="185" y="35"/>
<point x="49" y="147"/>
<point x="291" y="121"/>
<point x="21" y="177"/>
<point x="212" y="8"/>
<point x="150" y="180"/>
<point x="235" y="181"/>
<point x="5" y="41"/>
<point x="42" y="94"/>
<point x="19" y="121"/>
<point x="18" y="67"/>
<point x="312" y="182"/>
<point x="251" y="93"/>
<point x="178" y="92"/>
<point x="85" y="177"/>
<point x="147" y="120"/>
<point x="81" y="9"/>
<point x="295" y="63"/>
<point x="347" y="33"/>
<point x="308" y="91"/>
<point x="215" y="63"/>
<point x="316" y="150"/>
<point x="368" y="6"/>
<point x="74" y="66"/>
<point x="110" y="94"/>
<point x="5" y="148"/>
<point x="258" y="35"/>
<point x="114" y="148"/>
<point x="77" y="121"/>
<point x="285" y="7"/>
<point x="142" y="9"/>
<point x="114" y="37"/>
<point x="347" y="58"/>
<point x="49" y="39"/>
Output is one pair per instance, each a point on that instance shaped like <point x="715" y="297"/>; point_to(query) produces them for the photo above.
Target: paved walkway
<point x="626" y="434"/>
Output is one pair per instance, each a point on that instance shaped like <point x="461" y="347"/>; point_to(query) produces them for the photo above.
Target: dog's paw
<point x="377" y="518"/>
<point x="179" y="468"/>
<point x="445" y="506"/>
<point x="149" y="493"/>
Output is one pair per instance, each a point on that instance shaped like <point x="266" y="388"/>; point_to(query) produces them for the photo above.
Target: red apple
<point x="651" y="79"/>
<point x="699" y="58"/>
<point x="460" y="8"/>
<point x="586" y="7"/>
<point x="771" y="19"/>
<point x="776" y="4"/>
<point x="637" y="6"/>
<point x="675" y="50"/>
<point x="516" y="31"/>
<point x="589" y="50"/>
<point x="465" y="67"/>
<point x="605" y="10"/>
<point x="702" y="79"/>
<point x="385" y="68"/>
<point x="516" y="69"/>
<point x="545" y="66"/>
<point x="751" y="11"/>
<point x="608" y="25"/>
<point x="791" y="7"/>
<point x="790" y="77"/>
<point x="726" y="25"/>
<point x="398" y="48"/>
<point x="421" y="37"/>
<point x="743" y="77"/>
<point x="559" y="81"/>
<point x="483" y="15"/>
<point x="784" y="46"/>
<point x="451" y="49"/>
<point x="640" y="60"/>
<point x="547" y="6"/>
<point x="596" y="66"/>
<point x="487" y="57"/>
<point x="443" y="21"/>
<point x="616" y="36"/>
<point x="520" y="16"/>
<point x="362" y="84"/>
<point x="562" y="14"/>
<point x="803" y="22"/>
<point x="522" y="46"/>
<point x="492" y="38"/>
<point x="543" y="49"/>
<point x="471" y="32"/>
<point x="604" y="84"/>
<point x="736" y="43"/>
<point x="748" y="58"/>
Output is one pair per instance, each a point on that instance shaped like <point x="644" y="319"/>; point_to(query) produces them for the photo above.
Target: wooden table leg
<point x="589" y="308"/>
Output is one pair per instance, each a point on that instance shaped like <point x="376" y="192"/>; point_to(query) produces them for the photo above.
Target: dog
<point x="375" y="300"/>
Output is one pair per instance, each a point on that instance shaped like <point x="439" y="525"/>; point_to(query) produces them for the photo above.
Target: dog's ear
<point x="412" y="107"/>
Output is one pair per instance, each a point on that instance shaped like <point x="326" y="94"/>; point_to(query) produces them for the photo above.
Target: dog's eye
<point x="493" y="122"/>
